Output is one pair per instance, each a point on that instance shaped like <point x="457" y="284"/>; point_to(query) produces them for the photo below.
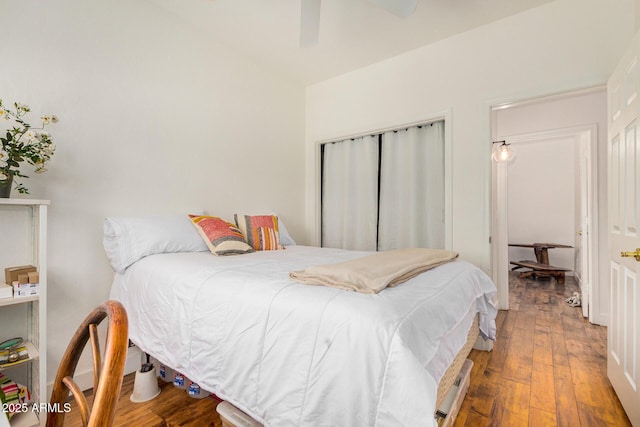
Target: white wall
<point x="541" y="198"/>
<point x="155" y="118"/>
<point x="543" y="195"/>
<point x="562" y="45"/>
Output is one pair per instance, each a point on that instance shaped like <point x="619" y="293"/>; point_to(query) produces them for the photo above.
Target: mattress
<point x="289" y="354"/>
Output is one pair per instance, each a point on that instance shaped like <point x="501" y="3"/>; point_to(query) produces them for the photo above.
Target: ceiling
<point x="353" y="33"/>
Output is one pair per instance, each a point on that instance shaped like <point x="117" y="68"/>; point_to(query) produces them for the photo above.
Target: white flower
<point x="30" y="136"/>
<point x="3" y="164"/>
<point x="4" y="156"/>
<point x="3" y="177"/>
<point x="49" y="119"/>
<point x="40" y="168"/>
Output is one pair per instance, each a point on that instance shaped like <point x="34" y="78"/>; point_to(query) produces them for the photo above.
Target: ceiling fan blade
<point x="401" y="8"/>
<point x="309" y="23"/>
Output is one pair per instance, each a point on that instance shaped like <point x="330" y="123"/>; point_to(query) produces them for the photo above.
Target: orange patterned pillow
<point x="261" y="231"/>
<point x="222" y="237"/>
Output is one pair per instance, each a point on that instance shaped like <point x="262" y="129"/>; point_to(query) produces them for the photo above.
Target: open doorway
<point x="553" y="192"/>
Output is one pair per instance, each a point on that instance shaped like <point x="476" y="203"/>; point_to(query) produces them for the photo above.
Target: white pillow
<point x="285" y="238"/>
<point x="128" y="239"/>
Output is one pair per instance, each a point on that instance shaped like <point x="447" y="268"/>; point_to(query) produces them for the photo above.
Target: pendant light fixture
<point x="503" y="153"/>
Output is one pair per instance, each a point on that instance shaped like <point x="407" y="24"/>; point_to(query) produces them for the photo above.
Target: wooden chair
<point x="107" y="374"/>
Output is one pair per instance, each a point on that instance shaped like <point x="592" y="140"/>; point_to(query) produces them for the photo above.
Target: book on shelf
<point x="23" y="355"/>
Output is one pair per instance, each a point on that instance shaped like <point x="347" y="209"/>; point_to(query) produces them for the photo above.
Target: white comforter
<point x="295" y="355"/>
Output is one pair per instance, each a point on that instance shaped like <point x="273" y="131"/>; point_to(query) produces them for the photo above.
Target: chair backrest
<point x="107" y="374"/>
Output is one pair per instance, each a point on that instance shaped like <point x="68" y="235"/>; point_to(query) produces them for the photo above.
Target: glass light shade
<point x="504" y="153"/>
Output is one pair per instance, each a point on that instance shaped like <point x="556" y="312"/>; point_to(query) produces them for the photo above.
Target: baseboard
<point x="84" y="379"/>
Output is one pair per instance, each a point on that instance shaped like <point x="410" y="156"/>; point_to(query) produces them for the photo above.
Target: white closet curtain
<point x="350" y="194"/>
<point x="412" y="188"/>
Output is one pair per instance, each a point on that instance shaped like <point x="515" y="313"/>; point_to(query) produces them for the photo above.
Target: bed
<point x="290" y="354"/>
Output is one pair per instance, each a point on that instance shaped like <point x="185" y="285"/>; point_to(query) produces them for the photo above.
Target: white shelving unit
<point x="23" y="227"/>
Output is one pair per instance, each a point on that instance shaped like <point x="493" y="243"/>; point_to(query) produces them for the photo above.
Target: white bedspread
<point x="295" y="355"/>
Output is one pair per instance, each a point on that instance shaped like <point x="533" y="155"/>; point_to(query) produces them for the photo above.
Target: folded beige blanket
<point x="373" y="273"/>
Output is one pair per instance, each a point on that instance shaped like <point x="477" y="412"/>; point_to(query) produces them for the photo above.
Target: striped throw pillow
<point x="261" y="231"/>
<point x="268" y="239"/>
<point x="221" y="237"/>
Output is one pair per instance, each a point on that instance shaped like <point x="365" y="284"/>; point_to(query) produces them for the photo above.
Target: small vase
<point x="5" y="187"/>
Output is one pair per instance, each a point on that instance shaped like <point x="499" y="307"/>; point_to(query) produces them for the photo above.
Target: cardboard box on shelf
<point x="34" y="277"/>
<point x="11" y="273"/>
<point x="17" y="286"/>
<point x="25" y="289"/>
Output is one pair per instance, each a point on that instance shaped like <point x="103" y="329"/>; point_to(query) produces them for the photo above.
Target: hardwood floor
<point x="172" y="408"/>
<point x="547" y="368"/>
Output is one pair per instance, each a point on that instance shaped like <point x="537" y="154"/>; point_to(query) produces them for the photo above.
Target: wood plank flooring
<point x="173" y="407"/>
<point x="547" y="368"/>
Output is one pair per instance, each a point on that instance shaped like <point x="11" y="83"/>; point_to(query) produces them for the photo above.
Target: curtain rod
<point x="381" y="131"/>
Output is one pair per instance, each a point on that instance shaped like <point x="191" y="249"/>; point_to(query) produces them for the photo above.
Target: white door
<point x="623" y="361"/>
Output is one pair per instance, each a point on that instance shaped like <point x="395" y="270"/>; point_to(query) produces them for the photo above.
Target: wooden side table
<point x="541" y="266"/>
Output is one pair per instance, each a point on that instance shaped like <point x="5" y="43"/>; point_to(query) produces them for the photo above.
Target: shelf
<point x="24" y="221"/>
<point x="24" y="202"/>
<point x="33" y="355"/>
<point x="18" y="300"/>
<point x="25" y="419"/>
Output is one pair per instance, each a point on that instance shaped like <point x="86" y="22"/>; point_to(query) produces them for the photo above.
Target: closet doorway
<point x="553" y="192"/>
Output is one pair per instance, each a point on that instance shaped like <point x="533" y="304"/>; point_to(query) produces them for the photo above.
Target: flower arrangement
<point x="22" y="142"/>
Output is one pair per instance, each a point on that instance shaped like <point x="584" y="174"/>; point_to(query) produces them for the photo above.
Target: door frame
<point x="499" y="232"/>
